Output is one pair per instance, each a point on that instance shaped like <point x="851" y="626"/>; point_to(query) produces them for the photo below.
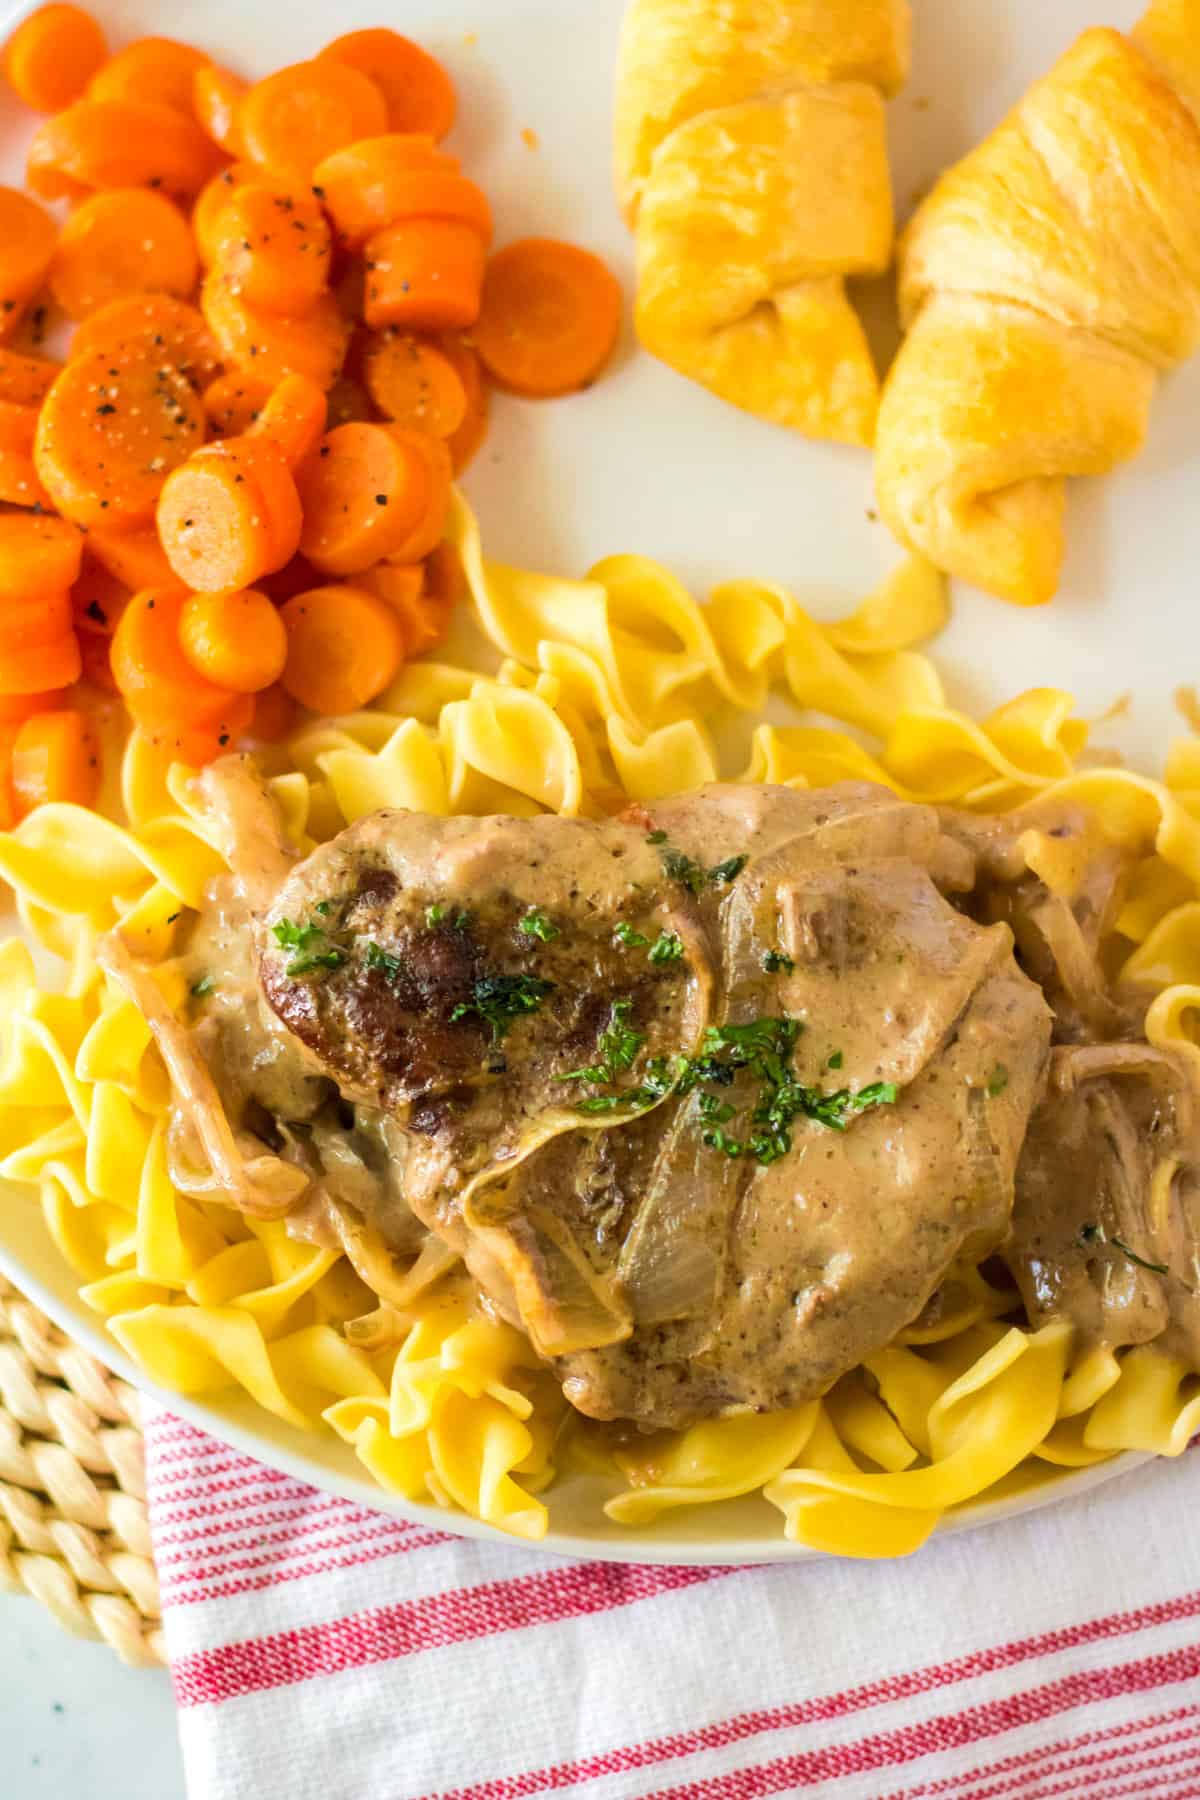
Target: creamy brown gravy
<point x="706" y="1282"/>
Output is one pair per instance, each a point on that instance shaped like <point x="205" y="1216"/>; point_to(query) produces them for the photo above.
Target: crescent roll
<point x="1045" y="282"/>
<point x="751" y="161"/>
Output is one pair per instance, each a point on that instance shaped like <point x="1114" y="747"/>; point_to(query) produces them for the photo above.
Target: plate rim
<point x="628" y="1547"/>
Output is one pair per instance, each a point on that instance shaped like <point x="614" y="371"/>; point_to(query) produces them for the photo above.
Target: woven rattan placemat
<point x="73" y="1529"/>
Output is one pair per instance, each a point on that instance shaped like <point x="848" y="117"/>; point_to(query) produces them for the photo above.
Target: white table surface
<point x="75" y="1721"/>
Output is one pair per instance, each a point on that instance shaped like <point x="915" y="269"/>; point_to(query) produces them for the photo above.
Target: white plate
<point x="647" y="462"/>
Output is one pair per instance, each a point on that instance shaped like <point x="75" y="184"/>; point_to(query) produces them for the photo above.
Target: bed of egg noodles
<point x="570" y="696"/>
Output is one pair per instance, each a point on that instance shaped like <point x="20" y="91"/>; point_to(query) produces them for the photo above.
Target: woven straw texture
<point x="73" y="1529"/>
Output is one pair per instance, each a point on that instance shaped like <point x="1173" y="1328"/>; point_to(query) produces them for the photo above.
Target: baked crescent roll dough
<point x="752" y="163"/>
<point x="1045" y="281"/>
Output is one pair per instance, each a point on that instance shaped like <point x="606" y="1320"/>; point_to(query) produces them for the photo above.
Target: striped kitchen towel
<point x="321" y="1651"/>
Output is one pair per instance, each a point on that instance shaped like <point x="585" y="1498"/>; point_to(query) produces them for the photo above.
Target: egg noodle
<point x="571" y="696"/>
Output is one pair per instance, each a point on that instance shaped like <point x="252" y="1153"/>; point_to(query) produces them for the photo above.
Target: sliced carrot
<point x="414" y="383"/>
<point x="347" y="399"/>
<point x="305" y="112"/>
<point x="27" y="238"/>
<point x="119" y="143"/>
<point x="29" y="621"/>
<point x="230" y="515"/>
<point x="417" y="91"/>
<point x="211" y="202"/>
<point x="39" y="554"/>
<point x="234" y="402"/>
<point x="134" y="558"/>
<point x="463" y="443"/>
<point x="344" y="646"/>
<point x="150" y="68"/>
<point x="121" y="242"/>
<point x="358" y="185"/>
<point x="274" y="714"/>
<point x="155" y="325"/>
<point x="216" y="95"/>
<point x="110" y="431"/>
<point x="445" y="576"/>
<point x="55" y="756"/>
<point x="424" y="274"/>
<point x="429" y="529"/>
<point x="16" y="707"/>
<point x="364" y="495"/>
<point x="273" y="247"/>
<point x="550" y="317"/>
<point x="293" y="578"/>
<point x="158" y="682"/>
<point x="25" y="380"/>
<point x="52" y="55"/>
<point x="293" y="417"/>
<point x="236" y="640"/>
<point x="98" y="600"/>
<point x="8" y="800"/>
<point x="402" y="585"/>
<point x="276" y="344"/>
<point x="20" y="484"/>
<point x="30" y="664"/>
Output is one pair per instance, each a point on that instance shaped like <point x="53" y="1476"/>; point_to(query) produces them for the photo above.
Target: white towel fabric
<point x="321" y="1651"/>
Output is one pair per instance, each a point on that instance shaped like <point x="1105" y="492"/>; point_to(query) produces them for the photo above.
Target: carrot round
<point x="55" y="756"/>
<point x="360" y="186"/>
<point x="25" y="380"/>
<point x="417" y="91"/>
<point x="211" y="202"/>
<point x="234" y="402"/>
<point x="550" y="317"/>
<point x="119" y="143"/>
<point x="230" y="515"/>
<point x="424" y="274"/>
<point x="98" y="600"/>
<point x="14" y="708"/>
<point x="413" y="383"/>
<point x="38" y="555"/>
<point x="293" y="418"/>
<point x="343" y="647"/>
<point x="121" y="242"/>
<point x="35" y="657"/>
<point x="134" y="558"/>
<point x="364" y="495"/>
<point x="216" y="95"/>
<point x="463" y="443"/>
<point x="27" y="239"/>
<point x="304" y="112"/>
<point x="274" y="714"/>
<point x="236" y="640"/>
<point x="272" y="246"/>
<point x="109" y="432"/>
<point x="151" y="68"/>
<point x="273" y="345"/>
<point x="162" y="690"/>
<point x="155" y="325"/>
<point x="52" y="55"/>
<point x="20" y="484"/>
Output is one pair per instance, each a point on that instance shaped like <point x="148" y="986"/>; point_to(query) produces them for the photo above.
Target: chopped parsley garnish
<point x="683" y="869"/>
<point x="203" y="986"/>
<point x="763" y="1048"/>
<point x="625" y="934"/>
<point x="691" y="874"/>
<point x="306" y="941"/>
<point x="835" y="1061"/>
<point x="434" y="915"/>
<point x="535" y="924"/>
<point x="462" y="921"/>
<point x="1096" y="1234"/>
<point x="661" y="1076"/>
<point x="389" y="966"/>
<point x="501" y="999"/>
<point x="618" y="1049"/>
<point x="997" y="1081"/>
<point x="667" y="947"/>
<point x="776" y="963"/>
<point x="324" y="908"/>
